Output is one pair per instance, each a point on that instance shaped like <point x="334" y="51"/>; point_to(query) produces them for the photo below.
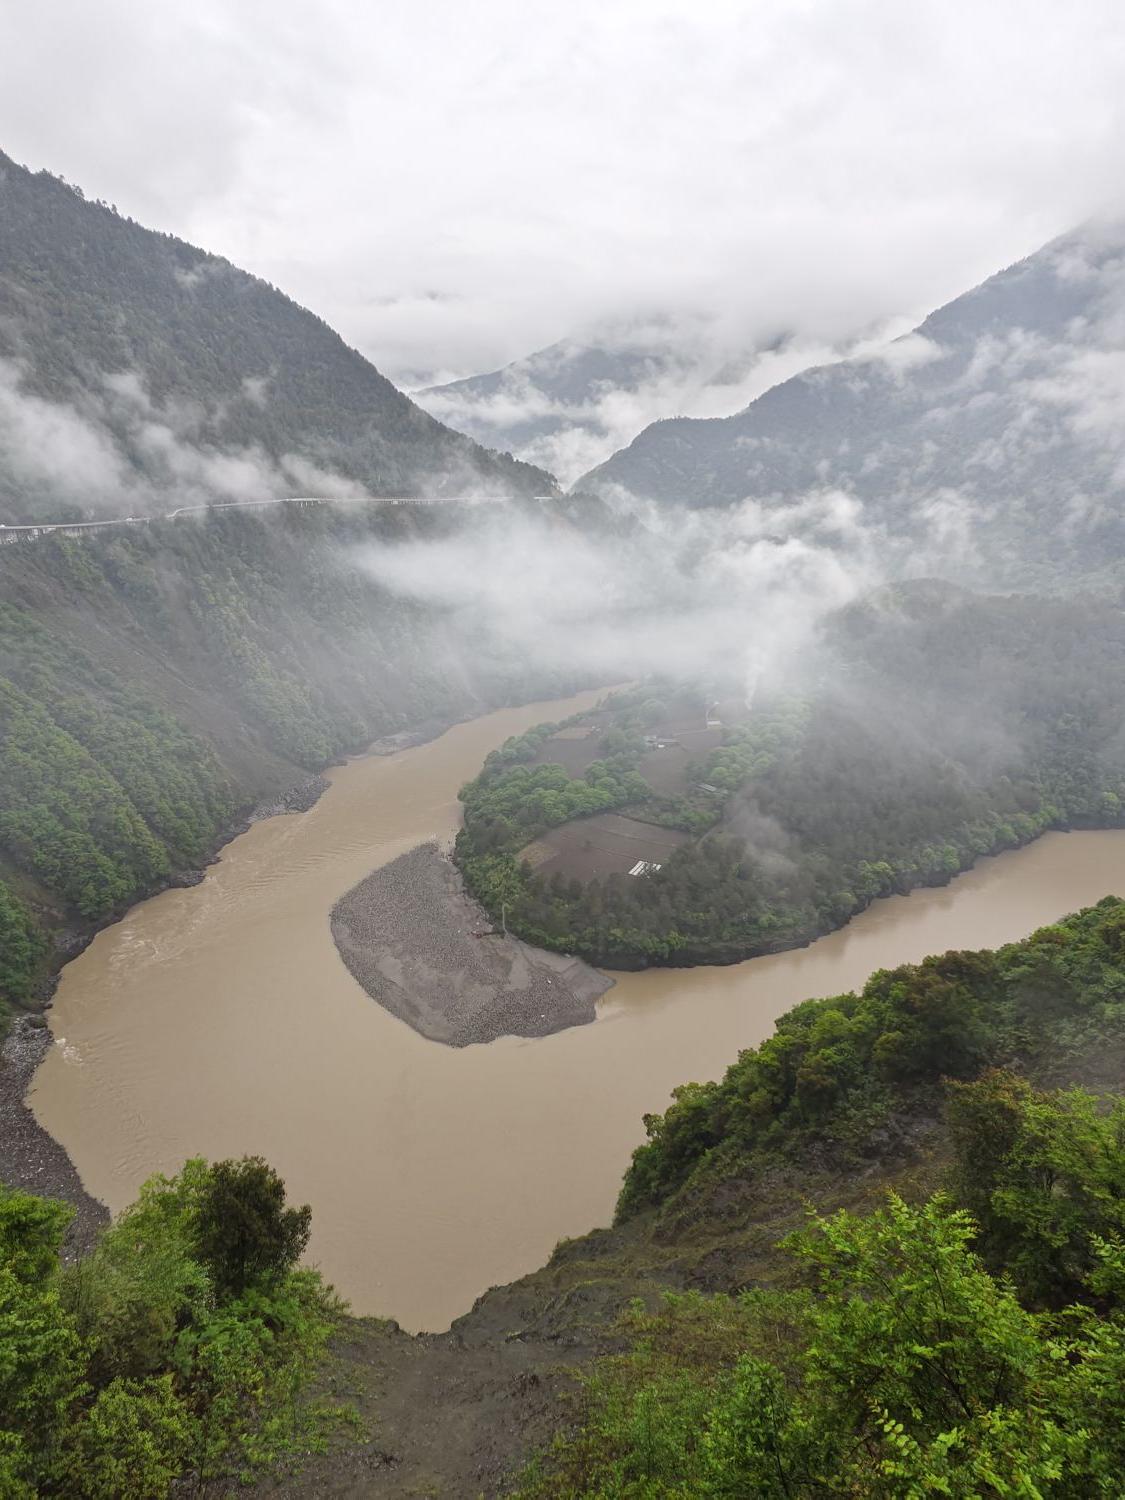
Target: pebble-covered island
<point x="431" y="956"/>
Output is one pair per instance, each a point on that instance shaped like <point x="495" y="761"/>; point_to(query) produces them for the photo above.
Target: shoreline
<point x="516" y="1145"/>
<point x="30" y="1158"/>
<point x="733" y="954"/>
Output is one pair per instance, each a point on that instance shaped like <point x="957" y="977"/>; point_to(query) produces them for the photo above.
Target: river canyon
<point x="219" y="1020"/>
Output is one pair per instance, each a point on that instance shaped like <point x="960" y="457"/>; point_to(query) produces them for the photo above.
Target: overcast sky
<point x="453" y="184"/>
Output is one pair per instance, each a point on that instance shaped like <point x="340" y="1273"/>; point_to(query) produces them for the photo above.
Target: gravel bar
<point x="432" y="956"/>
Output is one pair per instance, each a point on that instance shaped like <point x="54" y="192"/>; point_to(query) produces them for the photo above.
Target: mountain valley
<point x="410" y="851"/>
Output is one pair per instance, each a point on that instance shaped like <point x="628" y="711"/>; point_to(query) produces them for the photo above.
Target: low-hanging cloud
<point x="52" y="446"/>
<point x="112" y="450"/>
<point x="693" y="595"/>
<point x="454" y="188"/>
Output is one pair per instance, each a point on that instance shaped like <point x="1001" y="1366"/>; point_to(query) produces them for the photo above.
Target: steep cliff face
<point x="136" y="369"/>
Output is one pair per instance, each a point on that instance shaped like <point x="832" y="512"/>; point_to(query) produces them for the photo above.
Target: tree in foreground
<point x="244" y="1230"/>
<point x="177" y="1347"/>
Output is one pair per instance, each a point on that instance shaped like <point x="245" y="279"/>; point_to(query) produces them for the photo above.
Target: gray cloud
<point x="55" y="447"/>
<point x="693" y="594"/>
<point x="453" y="186"/>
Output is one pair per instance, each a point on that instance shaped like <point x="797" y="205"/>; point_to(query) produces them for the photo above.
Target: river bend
<point x="220" y="1020"/>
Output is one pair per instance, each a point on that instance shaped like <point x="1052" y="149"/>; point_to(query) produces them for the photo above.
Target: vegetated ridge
<point x="134" y="367"/>
<point x="969" y="1343"/>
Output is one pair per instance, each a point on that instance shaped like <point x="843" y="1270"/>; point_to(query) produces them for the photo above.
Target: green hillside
<point x="157" y="682"/>
<point x="138" y="372"/>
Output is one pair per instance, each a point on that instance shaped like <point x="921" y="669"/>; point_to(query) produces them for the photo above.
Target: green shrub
<point x="174" y="1346"/>
<point x="133" y="1442"/>
<point x="903" y="1370"/>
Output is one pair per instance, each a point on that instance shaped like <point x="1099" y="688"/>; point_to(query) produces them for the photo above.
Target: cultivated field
<point x="613" y="843"/>
<point x="576" y="748"/>
<point x="606" y="844"/>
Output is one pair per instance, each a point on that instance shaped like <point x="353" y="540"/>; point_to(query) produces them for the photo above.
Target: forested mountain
<point x="138" y="372"/>
<point x="156" y="681"/>
<point x="995" y="426"/>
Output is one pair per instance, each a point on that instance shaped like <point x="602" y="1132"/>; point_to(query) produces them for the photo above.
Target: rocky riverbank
<point x="29" y="1157"/>
<point x="298" y="798"/>
<point x="431" y="956"/>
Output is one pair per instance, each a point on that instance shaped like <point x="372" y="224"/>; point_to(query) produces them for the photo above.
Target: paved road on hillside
<point x="34" y="530"/>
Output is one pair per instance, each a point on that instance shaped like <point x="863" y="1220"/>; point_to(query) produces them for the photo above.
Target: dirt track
<point x="430" y="955"/>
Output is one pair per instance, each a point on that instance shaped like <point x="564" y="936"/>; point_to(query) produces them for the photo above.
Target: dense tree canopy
<point x="901" y="1369"/>
<point x="156" y="682"/>
<point x="139" y="1363"/>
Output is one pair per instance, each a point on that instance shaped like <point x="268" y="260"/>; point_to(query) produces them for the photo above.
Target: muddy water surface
<point x="220" y="1020"/>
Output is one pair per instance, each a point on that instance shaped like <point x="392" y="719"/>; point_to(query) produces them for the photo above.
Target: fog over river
<point x="220" y="1020"/>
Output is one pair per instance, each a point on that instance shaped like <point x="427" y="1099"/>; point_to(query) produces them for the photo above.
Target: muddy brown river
<point x="220" y="1020"/>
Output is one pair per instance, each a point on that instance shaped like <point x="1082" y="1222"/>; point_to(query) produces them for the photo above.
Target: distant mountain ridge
<point x="133" y="364"/>
<point x="1001" y="418"/>
<point x="565" y="377"/>
<point x="569" y="404"/>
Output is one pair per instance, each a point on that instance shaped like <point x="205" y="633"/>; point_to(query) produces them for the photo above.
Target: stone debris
<point x="29" y="1157"/>
<point x="432" y="956"/>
